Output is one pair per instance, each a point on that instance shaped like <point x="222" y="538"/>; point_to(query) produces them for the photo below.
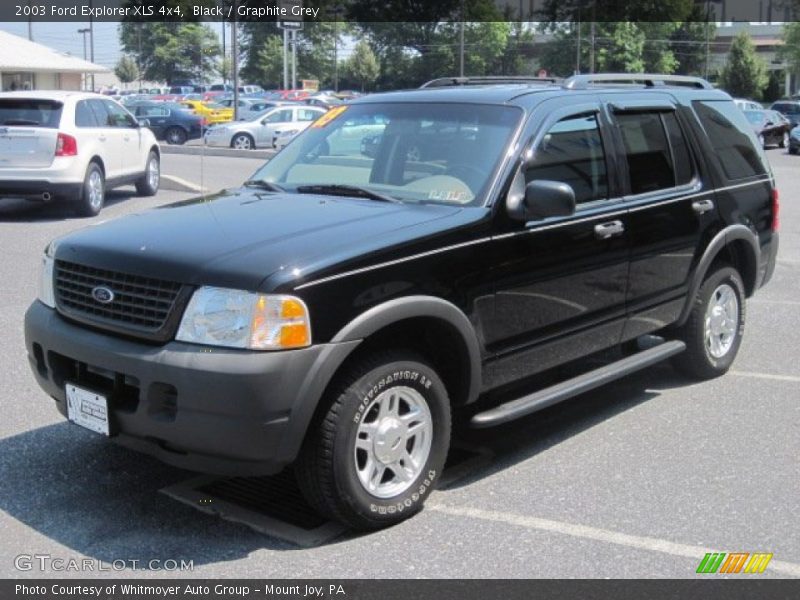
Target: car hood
<point x="240" y="237"/>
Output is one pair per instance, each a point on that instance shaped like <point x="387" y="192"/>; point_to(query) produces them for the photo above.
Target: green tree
<point x="688" y="43"/>
<point x="126" y="70"/>
<point x="268" y="68"/>
<point x="745" y="73"/>
<point x="619" y="47"/>
<point x="363" y="66"/>
<point x="790" y="51"/>
<point x="167" y="51"/>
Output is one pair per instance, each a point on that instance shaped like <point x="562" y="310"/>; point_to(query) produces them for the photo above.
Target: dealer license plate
<point x="87" y="409"/>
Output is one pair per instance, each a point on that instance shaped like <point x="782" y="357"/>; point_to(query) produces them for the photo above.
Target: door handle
<point x="102" y="138"/>
<point x="603" y="231"/>
<point x="702" y="206"/>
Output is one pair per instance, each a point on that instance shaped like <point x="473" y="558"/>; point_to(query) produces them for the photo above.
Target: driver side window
<point x="572" y="152"/>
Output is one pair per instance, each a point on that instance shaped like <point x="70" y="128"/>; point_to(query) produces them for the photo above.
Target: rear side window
<point x="84" y="116"/>
<point x="572" y="152"/>
<point x="729" y="134"/>
<point x="30" y="112"/>
<point x="647" y="150"/>
<point x="681" y="155"/>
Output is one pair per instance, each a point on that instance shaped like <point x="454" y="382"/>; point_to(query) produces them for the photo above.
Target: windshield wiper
<point x="264" y="185"/>
<point x="338" y="189"/>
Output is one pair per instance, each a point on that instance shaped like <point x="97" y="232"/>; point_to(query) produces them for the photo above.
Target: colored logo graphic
<point x="736" y="562"/>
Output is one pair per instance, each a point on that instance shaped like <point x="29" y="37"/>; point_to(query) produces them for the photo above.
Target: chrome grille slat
<point x="141" y="305"/>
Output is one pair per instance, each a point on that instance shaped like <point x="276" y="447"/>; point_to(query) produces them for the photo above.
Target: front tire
<point x="713" y="332"/>
<point x="93" y="192"/>
<point x="378" y="450"/>
<point x="150" y="180"/>
<point x="784" y="140"/>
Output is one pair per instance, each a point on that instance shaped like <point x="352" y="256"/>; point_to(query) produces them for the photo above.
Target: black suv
<point x="336" y="310"/>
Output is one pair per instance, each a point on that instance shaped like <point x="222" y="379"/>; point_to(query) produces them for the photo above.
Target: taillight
<point x="776" y="210"/>
<point x="66" y="145"/>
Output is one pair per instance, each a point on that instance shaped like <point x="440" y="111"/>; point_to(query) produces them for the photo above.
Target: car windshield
<point x="30" y="112"/>
<point x="756" y="117"/>
<point x="413" y="152"/>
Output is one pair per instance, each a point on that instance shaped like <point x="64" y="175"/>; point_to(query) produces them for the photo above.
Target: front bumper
<point x="214" y="410"/>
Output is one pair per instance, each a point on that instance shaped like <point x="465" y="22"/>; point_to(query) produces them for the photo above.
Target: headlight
<point x="796" y="132"/>
<point x="46" y="295"/>
<point x="238" y="319"/>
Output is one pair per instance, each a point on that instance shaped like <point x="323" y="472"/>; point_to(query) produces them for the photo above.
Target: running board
<point x="575" y="386"/>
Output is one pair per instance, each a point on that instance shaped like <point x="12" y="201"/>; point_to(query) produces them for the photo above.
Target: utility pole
<point x="91" y="38"/>
<point x="235" y="61"/>
<point x="708" y="38"/>
<point x="224" y="54"/>
<point x="83" y="32"/>
<point x="30" y="22"/>
<point x="285" y="59"/>
<point x="461" y="43"/>
<point x="578" y="46"/>
<point x="294" y="59"/>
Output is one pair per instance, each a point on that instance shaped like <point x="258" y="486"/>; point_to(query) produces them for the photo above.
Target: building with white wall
<point x="26" y="65"/>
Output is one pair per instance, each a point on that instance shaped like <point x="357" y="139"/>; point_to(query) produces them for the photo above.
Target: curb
<point x="176" y="184"/>
<point x="206" y="151"/>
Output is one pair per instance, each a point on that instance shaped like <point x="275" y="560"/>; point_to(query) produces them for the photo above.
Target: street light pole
<point x="91" y="37"/>
<point x="83" y="32"/>
<point x="235" y="61"/>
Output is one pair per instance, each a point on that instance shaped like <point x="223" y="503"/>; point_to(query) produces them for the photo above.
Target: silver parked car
<point x="259" y="132"/>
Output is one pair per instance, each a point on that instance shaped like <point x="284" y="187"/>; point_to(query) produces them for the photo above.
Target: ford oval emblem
<point x="103" y="295"/>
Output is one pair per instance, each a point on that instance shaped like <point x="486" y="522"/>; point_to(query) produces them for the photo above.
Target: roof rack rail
<point x="582" y="82"/>
<point x="486" y="80"/>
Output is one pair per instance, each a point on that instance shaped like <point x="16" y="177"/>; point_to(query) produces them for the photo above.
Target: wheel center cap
<point x="718" y="318"/>
<point x="389" y="446"/>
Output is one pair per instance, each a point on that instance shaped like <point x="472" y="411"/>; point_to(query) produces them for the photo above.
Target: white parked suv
<point x="73" y="146"/>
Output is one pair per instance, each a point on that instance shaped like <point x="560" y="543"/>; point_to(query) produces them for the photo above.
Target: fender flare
<point x="409" y="307"/>
<point x="718" y="242"/>
<point x="350" y="337"/>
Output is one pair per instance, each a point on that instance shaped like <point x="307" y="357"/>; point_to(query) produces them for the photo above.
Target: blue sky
<point x="65" y="38"/>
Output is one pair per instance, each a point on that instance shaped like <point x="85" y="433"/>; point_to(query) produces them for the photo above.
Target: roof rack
<point x="485" y="80"/>
<point x="582" y="82"/>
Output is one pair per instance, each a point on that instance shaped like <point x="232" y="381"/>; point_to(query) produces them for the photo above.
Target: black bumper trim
<point x="236" y="412"/>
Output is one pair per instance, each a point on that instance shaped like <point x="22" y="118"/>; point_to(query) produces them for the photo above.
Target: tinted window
<point x="572" y="152"/>
<point x="647" y="151"/>
<point x="684" y="171"/>
<point x="729" y="134"/>
<point x="84" y="116"/>
<point x="756" y="117"/>
<point x="30" y="112"/>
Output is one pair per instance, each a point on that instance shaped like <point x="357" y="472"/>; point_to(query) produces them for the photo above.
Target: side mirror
<point x="769" y="124"/>
<point x="143" y="122"/>
<point x="542" y="198"/>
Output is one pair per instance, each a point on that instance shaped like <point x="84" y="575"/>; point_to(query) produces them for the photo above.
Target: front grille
<point x="142" y="306"/>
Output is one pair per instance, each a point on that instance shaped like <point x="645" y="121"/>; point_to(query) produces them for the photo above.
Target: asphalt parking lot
<point x="637" y="479"/>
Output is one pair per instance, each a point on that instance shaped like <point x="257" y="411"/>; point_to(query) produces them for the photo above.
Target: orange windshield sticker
<point x="329" y="116"/>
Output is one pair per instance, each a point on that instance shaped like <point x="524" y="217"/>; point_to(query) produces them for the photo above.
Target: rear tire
<point x="149" y="182"/>
<point x="175" y="136"/>
<point x="713" y="332"/>
<point x="376" y="453"/>
<point x="93" y="192"/>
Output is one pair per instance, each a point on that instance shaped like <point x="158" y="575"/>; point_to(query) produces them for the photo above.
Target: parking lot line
<point x="778" y="302"/>
<point x="597" y="534"/>
<point x="772" y="376"/>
